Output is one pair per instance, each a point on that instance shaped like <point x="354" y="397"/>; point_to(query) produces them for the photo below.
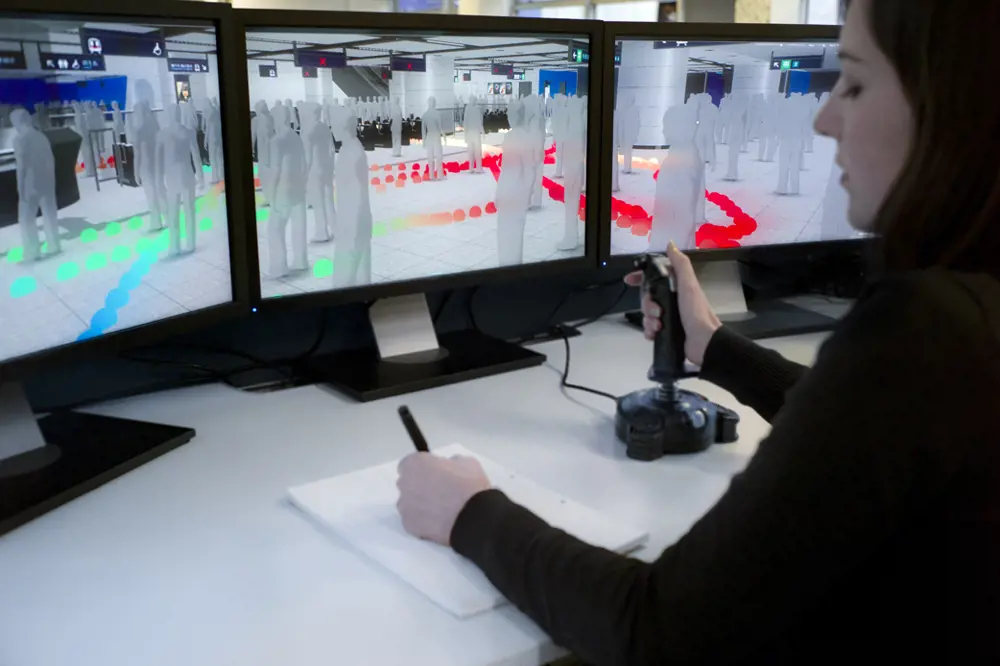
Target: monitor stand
<point x="47" y="462"/>
<point x="409" y="355"/>
<point x="759" y="319"/>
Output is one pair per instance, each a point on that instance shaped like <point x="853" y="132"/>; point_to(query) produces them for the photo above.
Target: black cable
<point x="576" y="387"/>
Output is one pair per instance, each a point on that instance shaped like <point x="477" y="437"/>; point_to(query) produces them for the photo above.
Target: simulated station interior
<point x="383" y="157"/>
<point x="716" y="146"/>
<point x="112" y="211"/>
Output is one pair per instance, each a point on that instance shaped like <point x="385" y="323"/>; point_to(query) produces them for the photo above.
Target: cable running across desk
<point x="576" y="387"/>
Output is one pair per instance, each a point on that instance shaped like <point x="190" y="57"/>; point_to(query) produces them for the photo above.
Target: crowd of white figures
<point x="166" y="161"/>
<point x="782" y="126"/>
<point x="309" y="157"/>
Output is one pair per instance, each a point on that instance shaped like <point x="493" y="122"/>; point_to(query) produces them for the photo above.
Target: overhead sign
<point x="321" y="59"/>
<point x="135" y="44"/>
<point x="12" y="60"/>
<point x="62" y="62"/>
<point x="785" y="63"/>
<point x="268" y="71"/>
<point x="579" y="55"/>
<point x="310" y="72"/>
<point x="407" y="64"/>
<point x="500" y="69"/>
<point x="187" y="66"/>
<point x="618" y="54"/>
<point x="684" y="44"/>
<point x="517" y="75"/>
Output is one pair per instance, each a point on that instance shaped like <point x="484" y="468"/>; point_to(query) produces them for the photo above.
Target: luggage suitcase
<point x="124" y="164"/>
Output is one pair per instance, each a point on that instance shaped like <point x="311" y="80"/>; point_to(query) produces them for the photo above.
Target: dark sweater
<point x="866" y="525"/>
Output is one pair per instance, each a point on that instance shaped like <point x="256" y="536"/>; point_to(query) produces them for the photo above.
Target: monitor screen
<point x="112" y="209"/>
<point x="716" y="147"/>
<point x="422" y="176"/>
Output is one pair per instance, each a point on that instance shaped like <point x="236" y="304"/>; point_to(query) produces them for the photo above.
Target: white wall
<point x="823" y="12"/>
<point x="564" y="12"/>
<point x="323" y="5"/>
<point x="638" y="10"/>
<point x="786" y="11"/>
<point x="414" y="88"/>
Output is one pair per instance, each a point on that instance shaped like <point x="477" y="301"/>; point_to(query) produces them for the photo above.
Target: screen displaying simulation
<point x="112" y="212"/>
<point x="444" y="167"/>
<point x="716" y="146"/>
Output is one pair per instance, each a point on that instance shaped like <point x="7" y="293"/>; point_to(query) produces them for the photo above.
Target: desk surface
<point x="197" y="559"/>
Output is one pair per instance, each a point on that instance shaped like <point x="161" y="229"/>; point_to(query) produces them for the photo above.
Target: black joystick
<point x="665" y="419"/>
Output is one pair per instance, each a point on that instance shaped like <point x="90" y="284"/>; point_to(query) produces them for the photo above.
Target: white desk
<point x="196" y="559"/>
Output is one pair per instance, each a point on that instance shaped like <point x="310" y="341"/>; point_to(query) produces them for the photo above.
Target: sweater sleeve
<point x="758" y="377"/>
<point x="792" y="526"/>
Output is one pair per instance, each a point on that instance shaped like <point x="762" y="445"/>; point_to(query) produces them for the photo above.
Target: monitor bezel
<point x="695" y="32"/>
<point x="236" y="133"/>
<point x="255" y="19"/>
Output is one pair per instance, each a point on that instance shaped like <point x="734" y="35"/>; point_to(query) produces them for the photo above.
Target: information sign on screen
<point x="62" y="62"/>
<point x="500" y="69"/>
<point x="579" y="55"/>
<point x="785" y="63"/>
<point x="137" y="45"/>
<point x="407" y="64"/>
<point x="267" y="71"/>
<point x="321" y="59"/>
<point x="310" y="72"/>
<point x="187" y="66"/>
<point x="12" y="60"/>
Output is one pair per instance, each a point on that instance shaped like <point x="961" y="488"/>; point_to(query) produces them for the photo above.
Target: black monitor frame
<point x="615" y="32"/>
<point x="236" y="133"/>
<point x="258" y="19"/>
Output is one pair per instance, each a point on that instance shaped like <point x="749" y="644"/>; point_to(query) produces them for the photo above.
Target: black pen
<point x="412" y="430"/>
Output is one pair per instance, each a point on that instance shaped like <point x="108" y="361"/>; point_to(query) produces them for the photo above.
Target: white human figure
<point x="792" y="146"/>
<point x="386" y="109"/>
<point x="352" y="256"/>
<point x="560" y="117"/>
<point x="95" y="121"/>
<point x="680" y="187"/>
<point x="532" y="119"/>
<point x="755" y="111"/>
<point x="36" y="185"/>
<point x="575" y="139"/>
<point x="178" y="154"/>
<point x="628" y="118"/>
<point x="320" y="167"/>
<point x="474" y="135"/>
<point x="810" y="134"/>
<point x="736" y="124"/>
<point x="144" y="134"/>
<point x="431" y="132"/>
<point x="767" y="130"/>
<point x="213" y="142"/>
<point x="707" y="118"/>
<point x="514" y="186"/>
<point x="292" y="118"/>
<point x="396" y="118"/>
<point x="263" y="132"/>
<point x="722" y="127"/>
<point x="189" y="116"/>
<point x="288" y="173"/>
<point x="118" y="122"/>
<point x="834" y="224"/>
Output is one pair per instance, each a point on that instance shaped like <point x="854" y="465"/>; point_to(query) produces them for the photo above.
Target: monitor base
<point x="460" y="356"/>
<point x="78" y="453"/>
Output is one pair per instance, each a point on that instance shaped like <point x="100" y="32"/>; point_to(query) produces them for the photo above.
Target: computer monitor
<point x="115" y="215"/>
<point x="370" y="188"/>
<point x="714" y="145"/>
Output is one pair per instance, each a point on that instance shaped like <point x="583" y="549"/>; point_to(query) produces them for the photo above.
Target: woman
<point x="868" y="522"/>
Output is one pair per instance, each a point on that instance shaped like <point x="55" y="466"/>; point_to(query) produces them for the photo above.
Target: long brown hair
<point x="945" y="207"/>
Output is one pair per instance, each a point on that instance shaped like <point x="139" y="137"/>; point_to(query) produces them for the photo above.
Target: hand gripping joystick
<point x="665" y="419"/>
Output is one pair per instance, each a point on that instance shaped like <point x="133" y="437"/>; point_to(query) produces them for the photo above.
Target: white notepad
<point x="361" y="508"/>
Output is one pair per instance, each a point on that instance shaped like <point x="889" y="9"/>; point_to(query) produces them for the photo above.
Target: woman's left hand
<point x="434" y="490"/>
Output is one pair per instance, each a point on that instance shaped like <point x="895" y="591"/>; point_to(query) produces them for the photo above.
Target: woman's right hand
<point x="699" y="320"/>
